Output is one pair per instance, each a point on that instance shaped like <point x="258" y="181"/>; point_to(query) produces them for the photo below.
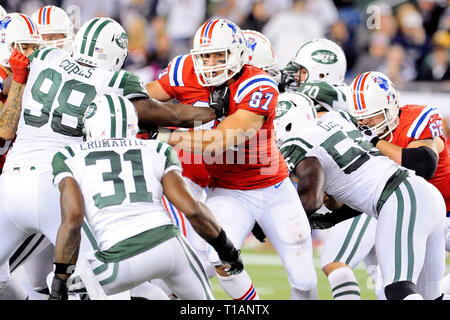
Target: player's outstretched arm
<point x="68" y="239"/>
<point x="167" y="114"/>
<point x="310" y="185"/>
<point x="201" y="219"/>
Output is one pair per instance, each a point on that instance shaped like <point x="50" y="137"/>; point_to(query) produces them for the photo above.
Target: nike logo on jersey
<point x="263" y="88"/>
<point x="278" y="185"/>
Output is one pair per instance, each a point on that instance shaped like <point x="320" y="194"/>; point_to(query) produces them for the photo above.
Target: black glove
<point x="369" y="134"/>
<point x="258" y="233"/>
<point x="219" y="100"/>
<point x="319" y="221"/>
<point x="234" y="261"/>
<point x="59" y="289"/>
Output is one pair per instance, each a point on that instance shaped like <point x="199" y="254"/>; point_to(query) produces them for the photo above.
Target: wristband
<point x="374" y="141"/>
<point x="64" y="268"/>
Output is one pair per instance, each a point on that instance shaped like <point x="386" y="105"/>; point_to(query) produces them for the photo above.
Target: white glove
<point x="369" y="134"/>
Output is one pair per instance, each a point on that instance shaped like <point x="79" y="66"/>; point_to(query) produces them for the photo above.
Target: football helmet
<point x="322" y="59"/>
<point x="294" y="110"/>
<point x="214" y="36"/>
<point x="15" y="30"/>
<point x="54" y="20"/>
<point x="372" y="94"/>
<point x="101" y="42"/>
<point x="110" y="116"/>
<point x="260" y="53"/>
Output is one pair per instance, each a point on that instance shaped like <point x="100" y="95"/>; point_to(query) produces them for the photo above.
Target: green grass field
<point x="270" y="280"/>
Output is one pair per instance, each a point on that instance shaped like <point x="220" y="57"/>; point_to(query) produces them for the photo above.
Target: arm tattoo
<point x="10" y="112"/>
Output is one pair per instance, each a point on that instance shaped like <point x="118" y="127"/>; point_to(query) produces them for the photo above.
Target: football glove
<point x="219" y="100"/>
<point x="59" y="289"/>
<point x="319" y="221"/>
<point x="18" y="62"/>
<point x="369" y="134"/>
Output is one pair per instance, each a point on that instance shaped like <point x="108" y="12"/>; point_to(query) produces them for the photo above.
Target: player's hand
<point x="319" y="221"/>
<point x="59" y="289"/>
<point x="219" y="100"/>
<point x="232" y="265"/>
<point x="258" y="233"/>
<point x="369" y="134"/>
<point x="18" y="62"/>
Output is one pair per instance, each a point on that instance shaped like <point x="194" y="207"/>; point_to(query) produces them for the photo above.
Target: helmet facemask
<point x="386" y="126"/>
<point x="224" y="71"/>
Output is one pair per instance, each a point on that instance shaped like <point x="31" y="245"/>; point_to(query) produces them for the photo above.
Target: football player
<point x="55" y="27"/>
<point x="331" y="155"/>
<point x="248" y="176"/>
<point x="260" y="53"/>
<point x="16" y="31"/>
<point x="133" y="231"/>
<point x="318" y="71"/>
<point x="57" y="92"/>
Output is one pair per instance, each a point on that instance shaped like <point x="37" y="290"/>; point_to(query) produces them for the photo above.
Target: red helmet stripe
<point x="211" y="29"/>
<point x="354" y="91"/>
<point x="203" y="31"/>
<point x="30" y="28"/>
<point x="361" y="91"/>
<point x="48" y="14"/>
<point x="40" y="15"/>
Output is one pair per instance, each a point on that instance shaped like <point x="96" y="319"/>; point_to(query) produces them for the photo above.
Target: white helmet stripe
<point x="113" y="115"/>
<point x="124" y="117"/>
<point x="95" y="36"/>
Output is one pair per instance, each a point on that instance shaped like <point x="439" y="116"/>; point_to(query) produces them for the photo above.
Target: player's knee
<point x="399" y="290"/>
<point x="330" y="267"/>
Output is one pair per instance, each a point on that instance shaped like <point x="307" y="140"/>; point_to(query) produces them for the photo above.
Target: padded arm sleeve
<point x="423" y="160"/>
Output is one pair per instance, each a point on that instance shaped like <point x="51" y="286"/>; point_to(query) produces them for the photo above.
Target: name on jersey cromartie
<point x="98" y="144"/>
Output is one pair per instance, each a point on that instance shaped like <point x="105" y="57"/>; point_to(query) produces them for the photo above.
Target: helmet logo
<point x="122" y="40"/>
<point x="4" y="22"/>
<point x="324" y="56"/>
<point x="251" y="44"/>
<point x="382" y="83"/>
<point x="282" y="108"/>
<point x="90" y="111"/>
<point x="235" y="36"/>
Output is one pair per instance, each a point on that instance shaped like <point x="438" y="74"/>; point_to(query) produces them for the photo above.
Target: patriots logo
<point x="4" y="22"/>
<point x="251" y="45"/>
<point x="235" y="33"/>
<point x="382" y="83"/>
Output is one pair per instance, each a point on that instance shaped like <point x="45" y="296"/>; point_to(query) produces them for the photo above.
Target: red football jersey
<point x="4" y="144"/>
<point x="419" y="123"/>
<point x="257" y="163"/>
<point x="180" y="82"/>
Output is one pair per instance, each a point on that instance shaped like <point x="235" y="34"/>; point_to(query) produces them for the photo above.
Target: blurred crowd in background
<point x="407" y="40"/>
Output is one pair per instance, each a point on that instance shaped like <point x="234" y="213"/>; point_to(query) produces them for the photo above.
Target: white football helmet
<point x="260" y="53"/>
<point x="214" y="36"/>
<point x="322" y="59"/>
<point x="15" y="30"/>
<point x="54" y="20"/>
<point x="294" y="110"/>
<point x="110" y="116"/>
<point x="3" y="12"/>
<point x="372" y="94"/>
<point x="101" y="42"/>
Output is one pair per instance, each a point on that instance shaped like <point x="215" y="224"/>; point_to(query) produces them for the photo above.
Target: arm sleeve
<point x="60" y="165"/>
<point x="423" y="160"/>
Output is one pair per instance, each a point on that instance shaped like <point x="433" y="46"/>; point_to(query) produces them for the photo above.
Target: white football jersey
<point x="356" y="173"/>
<point x="326" y="95"/>
<point x="121" y="184"/>
<point x="56" y="96"/>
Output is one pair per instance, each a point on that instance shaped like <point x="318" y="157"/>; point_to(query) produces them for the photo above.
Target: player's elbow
<point x="423" y="160"/>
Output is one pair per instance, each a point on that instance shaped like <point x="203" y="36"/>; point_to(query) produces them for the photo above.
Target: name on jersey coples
<point x="72" y="67"/>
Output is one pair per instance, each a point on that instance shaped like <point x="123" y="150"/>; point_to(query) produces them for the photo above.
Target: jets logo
<point x="122" y="40"/>
<point x="90" y="111"/>
<point x="324" y="56"/>
<point x="282" y="108"/>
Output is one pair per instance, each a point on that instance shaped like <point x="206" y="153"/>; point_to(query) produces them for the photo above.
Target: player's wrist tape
<point x="64" y="268"/>
<point x="224" y="247"/>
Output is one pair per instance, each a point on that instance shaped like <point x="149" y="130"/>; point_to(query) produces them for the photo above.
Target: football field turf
<point x="270" y="280"/>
